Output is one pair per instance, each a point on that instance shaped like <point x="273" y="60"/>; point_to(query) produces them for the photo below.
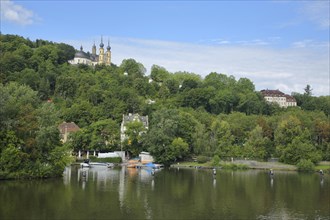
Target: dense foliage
<point x="188" y="115"/>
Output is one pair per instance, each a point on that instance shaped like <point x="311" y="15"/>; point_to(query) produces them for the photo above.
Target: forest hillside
<point x="218" y="115"/>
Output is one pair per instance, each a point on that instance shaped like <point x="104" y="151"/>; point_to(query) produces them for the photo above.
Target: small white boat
<point x="84" y="165"/>
<point x="110" y="165"/>
<point x="87" y="163"/>
<point x="96" y="164"/>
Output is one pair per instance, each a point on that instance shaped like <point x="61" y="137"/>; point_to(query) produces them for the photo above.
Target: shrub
<point x="202" y="159"/>
<point x="234" y="166"/>
<point x="215" y="160"/>
<point x="305" y="165"/>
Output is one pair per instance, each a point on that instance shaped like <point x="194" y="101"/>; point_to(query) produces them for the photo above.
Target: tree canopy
<point x="218" y="115"/>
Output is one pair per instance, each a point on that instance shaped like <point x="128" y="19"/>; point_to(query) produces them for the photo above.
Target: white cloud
<point x="289" y="69"/>
<point x="318" y="12"/>
<point x="310" y="44"/>
<point x="15" y="13"/>
<point x="254" y="42"/>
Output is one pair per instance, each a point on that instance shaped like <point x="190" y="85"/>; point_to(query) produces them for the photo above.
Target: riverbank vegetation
<point x="189" y="116"/>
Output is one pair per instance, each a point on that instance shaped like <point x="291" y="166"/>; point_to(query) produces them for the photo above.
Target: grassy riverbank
<point x="324" y="165"/>
<point x="251" y="164"/>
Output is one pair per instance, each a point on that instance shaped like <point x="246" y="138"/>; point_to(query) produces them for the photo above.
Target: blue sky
<point x="277" y="44"/>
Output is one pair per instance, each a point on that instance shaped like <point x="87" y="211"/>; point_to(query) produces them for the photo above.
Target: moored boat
<point x="85" y="163"/>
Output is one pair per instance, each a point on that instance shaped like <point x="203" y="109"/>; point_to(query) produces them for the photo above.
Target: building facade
<point x="67" y="128"/>
<point x="103" y="58"/>
<point x="276" y="96"/>
<point x="130" y="118"/>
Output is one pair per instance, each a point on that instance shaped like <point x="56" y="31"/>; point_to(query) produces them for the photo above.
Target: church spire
<point x="101" y="44"/>
<point x="101" y="55"/>
<point x="108" y="47"/>
<point x="94" y="49"/>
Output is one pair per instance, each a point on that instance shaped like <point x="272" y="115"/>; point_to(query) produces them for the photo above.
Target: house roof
<point x="135" y="117"/>
<point x="68" y="127"/>
<point x="277" y="93"/>
<point x="272" y="93"/>
<point x="289" y="98"/>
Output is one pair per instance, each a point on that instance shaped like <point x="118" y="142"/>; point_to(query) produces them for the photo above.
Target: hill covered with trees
<point x="188" y="115"/>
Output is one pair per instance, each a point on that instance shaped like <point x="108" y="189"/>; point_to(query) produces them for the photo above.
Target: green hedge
<point x="202" y="159"/>
<point x="305" y="165"/>
<point x="234" y="166"/>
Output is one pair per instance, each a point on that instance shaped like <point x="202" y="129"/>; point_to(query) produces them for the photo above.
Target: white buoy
<point x="214" y="171"/>
<point x="271" y="172"/>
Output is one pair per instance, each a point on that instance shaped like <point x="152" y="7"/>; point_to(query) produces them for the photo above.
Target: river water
<point x="121" y="193"/>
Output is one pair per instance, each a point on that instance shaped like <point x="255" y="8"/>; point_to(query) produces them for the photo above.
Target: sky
<point x="277" y="44"/>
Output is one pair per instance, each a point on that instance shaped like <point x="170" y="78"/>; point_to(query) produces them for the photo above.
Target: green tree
<point x="224" y="137"/>
<point x="200" y="140"/>
<point x="215" y="160"/>
<point x="79" y="140"/>
<point x="47" y="136"/>
<point x="159" y="74"/>
<point x="13" y="159"/>
<point x="256" y="145"/>
<point x="294" y="143"/>
<point x="133" y="68"/>
<point x="177" y="149"/>
<point x="308" y="90"/>
<point x="66" y="86"/>
<point x="105" y="135"/>
<point x="135" y="130"/>
<point x="219" y="81"/>
<point x="80" y="113"/>
<point x="163" y="130"/>
<point x="30" y="77"/>
<point x="300" y="148"/>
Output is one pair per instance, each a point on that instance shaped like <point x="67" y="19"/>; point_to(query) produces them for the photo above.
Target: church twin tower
<point x="104" y="57"/>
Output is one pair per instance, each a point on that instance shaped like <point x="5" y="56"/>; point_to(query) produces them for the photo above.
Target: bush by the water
<point x="234" y="166"/>
<point x="215" y="160"/>
<point x="105" y="160"/>
<point x="202" y="159"/>
<point x="305" y="165"/>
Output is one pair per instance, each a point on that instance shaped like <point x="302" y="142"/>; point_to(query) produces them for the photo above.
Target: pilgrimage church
<point x="104" y="57"/>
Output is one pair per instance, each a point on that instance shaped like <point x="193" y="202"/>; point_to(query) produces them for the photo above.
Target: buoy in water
<point x="271" y="172"/>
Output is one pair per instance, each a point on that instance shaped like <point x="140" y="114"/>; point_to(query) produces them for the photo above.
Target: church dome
<point x="108" y="47"/>
<point x="101" y="45"/>
<point x="81" y="54"/>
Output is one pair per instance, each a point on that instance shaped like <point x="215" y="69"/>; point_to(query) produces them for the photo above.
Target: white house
<point x="130" y="118"/>
<point x="276" y="96"/>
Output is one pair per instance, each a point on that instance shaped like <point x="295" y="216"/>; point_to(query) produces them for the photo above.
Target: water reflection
<point x="121" y="187"/>
<point x="124" y="178"/>
<point x="122" y="193"/>
<point x="152" y="184"/>
<point x="322" y="181"/>
<point x="271" y="182"/>
<point x="67" y="176"/>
